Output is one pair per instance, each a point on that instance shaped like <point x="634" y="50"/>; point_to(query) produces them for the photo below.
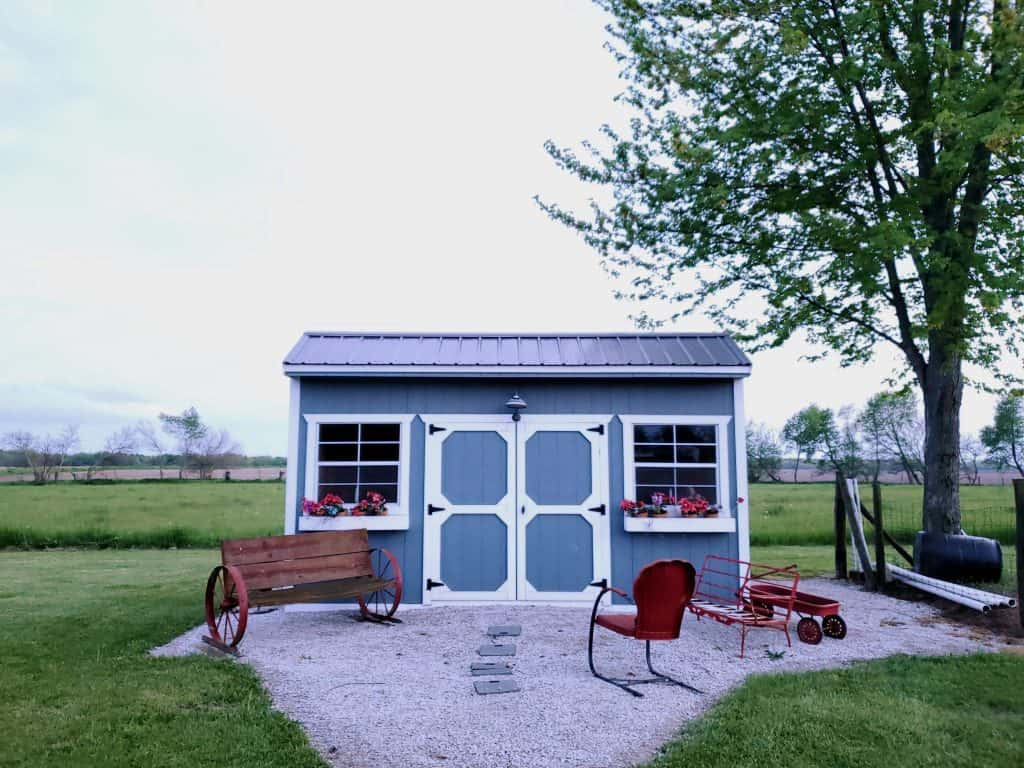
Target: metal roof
<point x="327" y="352"/>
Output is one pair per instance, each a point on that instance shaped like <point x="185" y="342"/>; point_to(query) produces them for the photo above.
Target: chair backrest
<point x="740" y="583"/>
<point x="279" y="561"/>
<point x="661" y="591"/>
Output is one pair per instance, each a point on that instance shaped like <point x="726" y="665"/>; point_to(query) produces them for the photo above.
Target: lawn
<point x="77" y="687"/>
<point x="138" y="514"/>
<point x="902" y="711"/>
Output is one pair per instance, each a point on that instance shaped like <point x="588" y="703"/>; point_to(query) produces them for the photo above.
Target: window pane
<point x="695" y="434"/>
<point x="339" y="433"/>
<point x="654" y="476"/>
<point x="380" y="432"/>
<point x="338" y="452"/>
<point x="691" y="476"/>
<point x="660" y="453"/>
<point x="390" y="492"/>
<point x="378" y="452"/>
<point x="347" y="492"/>
<point x="387" y="475"/>
<point x="695" y="454"/>
<point x="652" y="433"/>
<point x="337" y="475"/>
<point x="689" y="491"/>
<point x="644" y="492"/>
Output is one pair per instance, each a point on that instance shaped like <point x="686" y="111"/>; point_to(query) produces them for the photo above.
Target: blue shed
<point x="504" y="458"/>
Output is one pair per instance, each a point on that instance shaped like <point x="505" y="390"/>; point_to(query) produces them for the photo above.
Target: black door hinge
<point x="599" y="429"/>
<point x="432" y="429"/>
<point x="431" y="584"/>
<point x="431" y="509"/>
<point x="602" y="583"/>
<point x="599" y="508"/>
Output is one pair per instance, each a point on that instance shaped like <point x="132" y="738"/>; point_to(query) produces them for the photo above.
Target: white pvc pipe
<point x="978" y="595"/>
<point x="980" y="600"/>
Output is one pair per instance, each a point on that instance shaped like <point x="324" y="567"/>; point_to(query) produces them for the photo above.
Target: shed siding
<point x="629" y="552"/>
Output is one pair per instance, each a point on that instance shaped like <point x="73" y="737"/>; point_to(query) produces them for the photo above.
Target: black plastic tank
<point x="958" y="558"/>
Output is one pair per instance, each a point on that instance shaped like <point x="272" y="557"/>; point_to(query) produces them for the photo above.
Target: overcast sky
<point x="188" y="186"/>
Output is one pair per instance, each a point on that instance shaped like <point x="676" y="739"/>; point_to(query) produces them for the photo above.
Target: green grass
<point x="77" y="687"/>
<point x="813" y="559"/>
<point x="802" y="513"/>
<point x="138" y="514"/>
<point x="903" y="711"/>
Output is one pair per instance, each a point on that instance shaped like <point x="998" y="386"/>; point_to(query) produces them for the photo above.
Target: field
<point x="200" y="514"/>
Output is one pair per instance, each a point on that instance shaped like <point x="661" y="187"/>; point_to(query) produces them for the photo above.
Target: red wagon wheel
<point x="834" y="627"/>
<point x="382" y="603"/>
<point x="808" y="631"/>
<point x="227" y="605"/>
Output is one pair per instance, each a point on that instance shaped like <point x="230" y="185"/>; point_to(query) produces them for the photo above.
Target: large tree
<point x="803" y="430"/>
<point x="847" y="172"/>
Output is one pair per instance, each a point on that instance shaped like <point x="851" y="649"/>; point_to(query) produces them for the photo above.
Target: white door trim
<point x="504" y="509"/>
<point x="527" y="510"/>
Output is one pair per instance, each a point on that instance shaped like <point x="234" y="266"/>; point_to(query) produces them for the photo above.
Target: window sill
<point x="348" y="523"/>
<point x="679" y="524"/>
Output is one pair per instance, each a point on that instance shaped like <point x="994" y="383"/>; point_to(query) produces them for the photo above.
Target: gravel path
<point x="374" y="695"/>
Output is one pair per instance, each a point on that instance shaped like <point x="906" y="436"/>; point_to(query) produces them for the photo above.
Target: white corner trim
<point x="742" y="489"/>
<point x="291" y="477"/>
<point x="404" y="420"/>
<point x="723" y="469"/>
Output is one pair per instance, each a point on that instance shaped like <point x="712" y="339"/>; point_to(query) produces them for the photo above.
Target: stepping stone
<point x="497" y="650"/>
<point x="484" y="687"/>
<point x="481" y="668"/>
<point x="504" y="630"/>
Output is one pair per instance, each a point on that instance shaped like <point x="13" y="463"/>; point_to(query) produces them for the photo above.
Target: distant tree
<point x="803" y="430"/>
<point x="972" y="450"/>
<point x="764" y="453"/>
<point x="123" y="442"/>
<point x="200" y="448"/>
<point x="848" y="172"/>
<point x="45" y="455"/>
<point x="1005" y="437"/>
<point x="892" y="426"/>
<point x="839" y="442"/>
<point x="149" y="441"/>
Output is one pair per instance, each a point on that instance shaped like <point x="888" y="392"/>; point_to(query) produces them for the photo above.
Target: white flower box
<point x="350" y="522"/>
<point x="718" y="524"/>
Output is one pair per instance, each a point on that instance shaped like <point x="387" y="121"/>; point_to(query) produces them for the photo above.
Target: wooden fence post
<point x="1018" y="498"/>
<point x="859" y="541"/>
<point x="839" y="523"/>
<point x="876" y="508"/>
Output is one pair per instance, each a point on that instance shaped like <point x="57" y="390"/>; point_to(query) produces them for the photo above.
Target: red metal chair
<point x="661" y="593"/>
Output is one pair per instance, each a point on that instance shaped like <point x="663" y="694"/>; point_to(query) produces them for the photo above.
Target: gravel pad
<point x="373" y="695"/>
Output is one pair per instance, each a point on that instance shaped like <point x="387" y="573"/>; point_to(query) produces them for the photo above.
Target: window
<point x="680" y="460"/>
<point x="353" y="459"/>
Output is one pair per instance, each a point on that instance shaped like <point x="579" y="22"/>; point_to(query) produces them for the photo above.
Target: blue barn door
<point x="470" y="521"/>
<point x="563" y="516"/>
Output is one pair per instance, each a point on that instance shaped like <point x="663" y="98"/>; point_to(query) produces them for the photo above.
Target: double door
<point x="515" y="510"/>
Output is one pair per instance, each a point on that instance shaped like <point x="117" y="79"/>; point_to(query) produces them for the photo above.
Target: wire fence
<point x="902" y="522"/>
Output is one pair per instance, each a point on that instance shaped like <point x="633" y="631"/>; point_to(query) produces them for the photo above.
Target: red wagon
<point x="766" y="597"/>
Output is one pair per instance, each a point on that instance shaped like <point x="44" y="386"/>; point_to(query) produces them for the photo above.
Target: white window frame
<point x="404" y="421"/>
<point x="721" y="423"/>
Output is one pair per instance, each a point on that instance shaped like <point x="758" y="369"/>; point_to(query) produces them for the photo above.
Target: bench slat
<point x="307" y="570"/>
<point x="311" y="593"/>
<point x="269" y="549"/>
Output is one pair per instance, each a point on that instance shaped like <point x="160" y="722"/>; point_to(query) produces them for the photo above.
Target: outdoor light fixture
<point x="515" y="404"/>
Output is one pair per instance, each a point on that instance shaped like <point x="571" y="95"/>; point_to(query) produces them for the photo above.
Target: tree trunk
<point x="796" y="467"/>
<point x="943" y="392"/>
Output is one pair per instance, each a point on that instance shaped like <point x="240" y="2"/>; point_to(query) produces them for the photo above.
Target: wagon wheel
<point x="834" y="627"/>
<point x="382" y="603"/>
<point x="227" y="605"/>
<point x="808" y="631"/>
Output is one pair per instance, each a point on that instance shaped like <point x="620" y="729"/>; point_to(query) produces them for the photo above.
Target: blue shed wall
<point x="408" y="395"/>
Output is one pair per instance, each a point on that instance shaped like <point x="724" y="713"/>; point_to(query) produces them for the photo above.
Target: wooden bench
<point x="309" y="567"/>
<point x="746" y="594"/>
